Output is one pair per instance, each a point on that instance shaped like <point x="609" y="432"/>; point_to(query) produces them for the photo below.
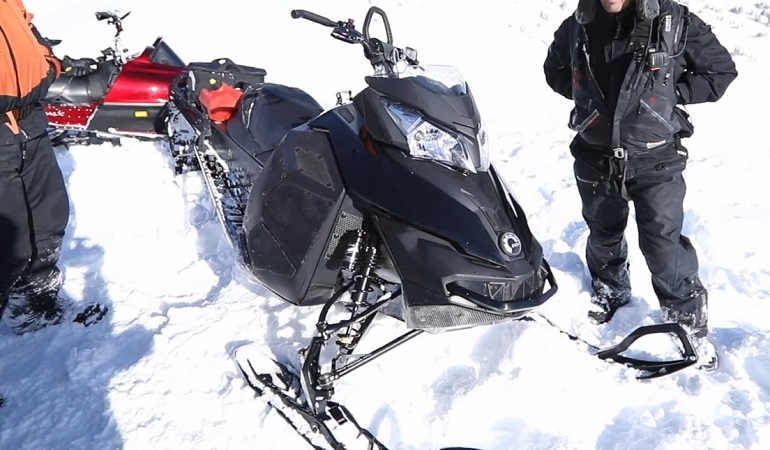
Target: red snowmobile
<point x="121" y="96"/>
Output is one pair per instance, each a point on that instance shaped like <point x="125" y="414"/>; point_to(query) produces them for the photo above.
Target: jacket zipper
<point x="591" y="74"/>
<point x="592" y="183"/>
<point x="588" y="65"/>
<point x="656" y="115"/>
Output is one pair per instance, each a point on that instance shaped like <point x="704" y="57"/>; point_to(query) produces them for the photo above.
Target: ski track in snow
<point x="156" y="373"/>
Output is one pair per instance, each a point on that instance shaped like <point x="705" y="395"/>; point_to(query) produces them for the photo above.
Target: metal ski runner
<point x="296" y="413"/>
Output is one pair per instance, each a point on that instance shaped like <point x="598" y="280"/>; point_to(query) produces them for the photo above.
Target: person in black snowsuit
<point x="34" y="205"/>
<point x="627" y="64"/>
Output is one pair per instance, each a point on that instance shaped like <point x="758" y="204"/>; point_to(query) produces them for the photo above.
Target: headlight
<point x="430" y="142"/>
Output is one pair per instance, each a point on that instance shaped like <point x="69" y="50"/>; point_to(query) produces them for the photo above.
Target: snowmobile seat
<point x="83" y="90"/>
<point x="267" y="112"/>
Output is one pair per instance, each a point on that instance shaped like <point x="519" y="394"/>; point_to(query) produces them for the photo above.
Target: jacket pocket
<point x="672" y="157"/>
<point x="592" y="173"/>
<point x="646" y="106"/>
<point x="11" y="161"/>
<point x="687" y="128"/>
<point x="585" y="123"/>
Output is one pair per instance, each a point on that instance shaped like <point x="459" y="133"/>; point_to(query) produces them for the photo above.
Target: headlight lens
<point x="430" y="142"/>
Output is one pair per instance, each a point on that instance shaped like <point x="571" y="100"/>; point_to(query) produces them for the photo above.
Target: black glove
<point x="77" y="67"/>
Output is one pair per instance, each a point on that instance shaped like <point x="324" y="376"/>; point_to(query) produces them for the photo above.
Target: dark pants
<point x="654" y="182"/>
<point x="34" y="210"/>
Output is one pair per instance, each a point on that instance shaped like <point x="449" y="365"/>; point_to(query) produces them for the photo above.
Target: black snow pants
<point x="654" y="182"/>
<point x="34" y="211"/>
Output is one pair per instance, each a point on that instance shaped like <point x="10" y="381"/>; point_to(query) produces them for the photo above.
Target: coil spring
<point x="363" y="253"/>
<point x="370" y="259"/>
<point x="363" y="259"/>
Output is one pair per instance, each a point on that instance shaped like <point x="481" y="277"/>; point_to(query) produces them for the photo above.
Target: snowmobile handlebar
<point x="368" y="21"/>
<point x="112" y="18"/>
<point x="382" y="54"/>
<point x="118" y="50"/>
<point x="348" y="25"/>
<point x="313" y="17"/>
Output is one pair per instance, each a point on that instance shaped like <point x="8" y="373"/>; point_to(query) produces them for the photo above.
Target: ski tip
<point x="256" y="359"/>
<point x="233" y="347"/>
<point x="253" y="351"/>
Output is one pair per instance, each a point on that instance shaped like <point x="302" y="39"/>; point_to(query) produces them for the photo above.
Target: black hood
<point x="645" y="9"/>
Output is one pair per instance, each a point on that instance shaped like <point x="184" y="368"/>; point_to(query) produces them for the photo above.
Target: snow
<point x="157" y="372"/>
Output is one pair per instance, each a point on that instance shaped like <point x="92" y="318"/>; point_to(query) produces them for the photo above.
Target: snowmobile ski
<point x="287" y="395"/>
<point x="648" y="369"/>
<point x="290" y="404"/>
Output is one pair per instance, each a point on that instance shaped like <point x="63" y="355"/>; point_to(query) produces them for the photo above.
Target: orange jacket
<point x="27" y="65"/>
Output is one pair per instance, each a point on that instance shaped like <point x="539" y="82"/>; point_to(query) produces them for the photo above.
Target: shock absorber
<point x="367" y="262"/>
<point x="362" y="259"/>
<point x="355" y="251"/>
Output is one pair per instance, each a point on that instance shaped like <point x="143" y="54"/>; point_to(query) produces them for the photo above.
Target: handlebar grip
<point x="368" y="21"/>
<point x="313" y="17"/>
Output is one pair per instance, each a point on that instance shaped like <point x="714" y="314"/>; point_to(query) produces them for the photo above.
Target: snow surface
<point x="156" y="373"/>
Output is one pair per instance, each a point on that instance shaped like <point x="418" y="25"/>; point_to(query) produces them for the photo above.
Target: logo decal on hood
<point x="510" y="243"/>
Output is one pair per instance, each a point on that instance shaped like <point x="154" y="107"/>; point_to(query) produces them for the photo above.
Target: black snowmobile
<point x="386" y="203"/>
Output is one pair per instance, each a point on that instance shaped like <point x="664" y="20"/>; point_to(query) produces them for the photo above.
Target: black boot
<point x="695" y="322"/>
<point x="25" y="315"/>
<point x="605" y="301"/>
<point x="36" y="302"/>
<point x="42" y="312"/>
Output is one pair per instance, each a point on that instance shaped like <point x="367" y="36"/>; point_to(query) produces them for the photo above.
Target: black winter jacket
<point x="623" y="101"/>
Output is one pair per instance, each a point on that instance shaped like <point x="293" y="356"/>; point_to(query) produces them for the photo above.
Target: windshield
<point x="162" y="54"/>
<point x="440" y="79"/>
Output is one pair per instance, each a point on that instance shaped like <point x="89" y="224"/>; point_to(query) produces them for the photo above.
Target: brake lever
<point x="346" y="32"/>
